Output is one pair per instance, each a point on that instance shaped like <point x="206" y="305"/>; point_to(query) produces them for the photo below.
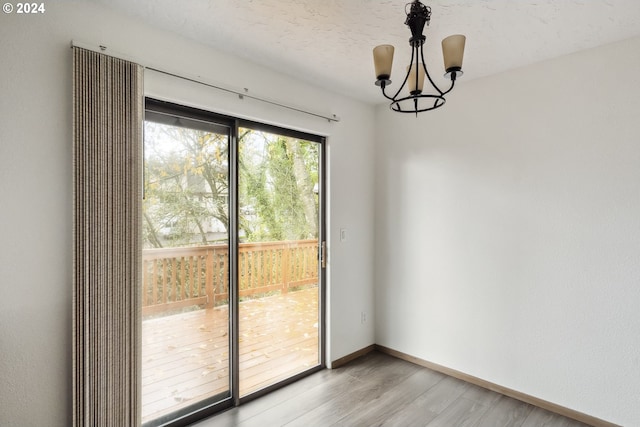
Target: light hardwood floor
<point x="380" y="390"/>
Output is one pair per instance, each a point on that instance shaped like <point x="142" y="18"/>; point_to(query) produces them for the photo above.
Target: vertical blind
<point x="107" y="145"/>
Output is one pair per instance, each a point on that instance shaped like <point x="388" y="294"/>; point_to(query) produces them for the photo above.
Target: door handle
<point x="323" y="255"/>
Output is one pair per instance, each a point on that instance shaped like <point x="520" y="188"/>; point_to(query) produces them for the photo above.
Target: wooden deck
<point x="185" y="357"/>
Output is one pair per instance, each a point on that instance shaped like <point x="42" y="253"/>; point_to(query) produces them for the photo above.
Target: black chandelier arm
<point x="426" y="72"/>
<point x="453" y="83"/>
<point x="383" y="86"/>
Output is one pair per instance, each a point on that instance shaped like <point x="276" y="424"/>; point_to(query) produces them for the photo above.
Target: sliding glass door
<point x="185" y="329"/>
<point x="232" y="261"/>
<point x="278" y="262"/>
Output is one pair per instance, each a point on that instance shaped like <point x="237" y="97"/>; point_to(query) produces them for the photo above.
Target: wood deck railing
<point x="174" y="278"/>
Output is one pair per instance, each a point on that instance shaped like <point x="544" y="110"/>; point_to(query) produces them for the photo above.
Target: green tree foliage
<point x="278" y="176"/>
<point x="187" y="187"/>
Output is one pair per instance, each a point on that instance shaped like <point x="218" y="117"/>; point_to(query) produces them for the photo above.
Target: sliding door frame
<point x="188" y="415"/>
<point x="322" y="255"/>
<point x="234" y="124"/>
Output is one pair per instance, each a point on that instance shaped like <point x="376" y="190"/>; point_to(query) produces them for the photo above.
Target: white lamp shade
<point x="383" y="60"/>
<point x="411" y="80"/>
<point x="453" y="51"/>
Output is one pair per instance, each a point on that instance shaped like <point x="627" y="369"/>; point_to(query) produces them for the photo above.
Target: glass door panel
<point x="278" y="257"/>
<point x="185" y="278"/>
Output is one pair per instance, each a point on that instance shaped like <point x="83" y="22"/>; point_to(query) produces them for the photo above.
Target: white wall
<point x="36" y="187"/>
<point x="508" y="231"/>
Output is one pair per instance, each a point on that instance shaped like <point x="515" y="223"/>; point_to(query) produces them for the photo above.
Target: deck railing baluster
<point x="175" y="278"/>
<point x="154" y="282"/>
<point x="174" y="273"/>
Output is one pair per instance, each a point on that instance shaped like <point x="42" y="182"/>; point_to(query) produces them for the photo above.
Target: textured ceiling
<point x="329" y="42"/>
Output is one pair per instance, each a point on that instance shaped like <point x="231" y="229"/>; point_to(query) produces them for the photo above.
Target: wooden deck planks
<point x="186" y="356"/>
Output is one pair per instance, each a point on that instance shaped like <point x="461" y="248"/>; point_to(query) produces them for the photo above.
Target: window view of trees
<point x="278" y="187"/>
<point x="187" y="187"/>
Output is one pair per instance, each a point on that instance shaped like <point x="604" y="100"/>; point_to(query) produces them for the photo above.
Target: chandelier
<point x="418" y="101"/>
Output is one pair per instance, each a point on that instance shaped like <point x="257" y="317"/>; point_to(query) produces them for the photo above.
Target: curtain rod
<point x="241" y="94"/>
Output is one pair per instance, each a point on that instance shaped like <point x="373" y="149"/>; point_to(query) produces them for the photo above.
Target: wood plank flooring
<point x="380" y="390"/>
